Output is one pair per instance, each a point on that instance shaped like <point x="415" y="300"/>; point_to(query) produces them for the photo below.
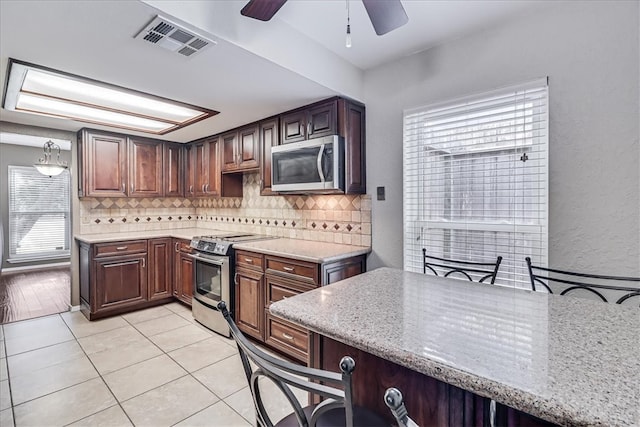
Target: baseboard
<point x="73" y="308"/>
<point x="35" y="267"/>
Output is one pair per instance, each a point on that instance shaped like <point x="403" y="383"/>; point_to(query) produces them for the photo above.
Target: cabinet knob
<point x="191" y="189"/>
<point x="206" y="188"/>
<point x="124" y="188"/>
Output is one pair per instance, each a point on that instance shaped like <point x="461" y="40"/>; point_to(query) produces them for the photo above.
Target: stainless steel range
<point x="213" y="269"/>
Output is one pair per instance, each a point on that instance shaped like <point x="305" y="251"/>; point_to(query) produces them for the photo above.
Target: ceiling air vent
<point x="164" y="33"/>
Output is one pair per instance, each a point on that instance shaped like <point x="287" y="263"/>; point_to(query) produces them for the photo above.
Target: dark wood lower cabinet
<point x="120" y="281"/>
<point x="160" y="268"/>
<point x="183" y="271"/>
<point x="430" y="402"/>
<point x="249" y="315"/>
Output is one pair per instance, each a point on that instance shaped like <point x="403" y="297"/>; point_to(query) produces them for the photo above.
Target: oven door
<point x="211" y="277"/>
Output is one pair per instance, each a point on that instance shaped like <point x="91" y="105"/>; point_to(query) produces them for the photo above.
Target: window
<point x="475" y="180"/>
<point x="38" y="214"/>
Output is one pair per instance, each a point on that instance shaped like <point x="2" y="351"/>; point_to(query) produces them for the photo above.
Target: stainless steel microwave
<point x="316" y="165"/>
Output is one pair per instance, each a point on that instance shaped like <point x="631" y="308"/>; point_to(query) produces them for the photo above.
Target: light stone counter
<point x="563" y="359"/>
<point x="304" y="250"/>
<point x="179" y="233"/>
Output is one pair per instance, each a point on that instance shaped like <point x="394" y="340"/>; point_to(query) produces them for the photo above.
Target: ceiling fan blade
<point x="262" y="10"/>
<point x="385" y="15"/>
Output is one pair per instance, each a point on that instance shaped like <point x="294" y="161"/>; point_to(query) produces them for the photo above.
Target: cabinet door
<point x="293" y="126"/>
<point x="104" y="164"/>
<point x="322" y="120"/>
<point x="173" y="170"/>
<point x="120" y="281"/>
<point x="201" y="171"/>
<point x="268" y="137"/>
<point x="189" y="171"/>
<point x="352" y="128"/>
<point x="145" y="168"/>
<point x="159" y="278"/>
<point x="248" y="148"/>
<point x="229" y="142"/>
<point x="185" y="284"/>
<point x="250" y="302"/>
<point x="213" y="186"/>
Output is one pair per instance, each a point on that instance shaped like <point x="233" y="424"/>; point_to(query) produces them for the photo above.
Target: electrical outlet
<point x="380" y="193"/>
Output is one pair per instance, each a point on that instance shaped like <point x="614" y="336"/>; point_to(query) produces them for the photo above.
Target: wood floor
<point x="29" y="294"/>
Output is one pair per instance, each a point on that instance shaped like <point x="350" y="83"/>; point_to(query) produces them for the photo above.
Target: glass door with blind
<point x="39" y="214"/>
<point x="475" y="180"/>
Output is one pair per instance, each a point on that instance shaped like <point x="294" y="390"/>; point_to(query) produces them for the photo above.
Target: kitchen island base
<point x="430" y="402"/>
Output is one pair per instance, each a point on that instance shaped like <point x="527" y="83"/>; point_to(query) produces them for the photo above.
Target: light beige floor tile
<point x="43" y="381"/>
<point x="230" y="369"/>
<point x="82" y="327"/>
<point x="1" y="332"/>
<point x="110" y="339"/>
<point x="276" y="403"/>
<point x="3" y="352"/>
<point x="203" y="353"/>
<point x="147" y="314"/>
<point x="141" y="377"/>
<point x="32" y="334"/>
<point x="30" y="361"/>
<point x="65" y="406"/>
<point x="5" y="395"/>
<point x="219" y="414"/>
<point x="161" y="324"/>
<point x="6" y="418"/>
<point x="111" y="417"/>
<point x="169" y="404"/>
<point x="242" y="402"/>
<point x="180" y="309"/>
<point x="172" y="340"/>
<point x="120" y="357"/>
<point x="4" y="374"/>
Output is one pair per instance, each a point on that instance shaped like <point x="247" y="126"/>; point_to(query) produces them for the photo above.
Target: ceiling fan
<point x="385" y="15"/>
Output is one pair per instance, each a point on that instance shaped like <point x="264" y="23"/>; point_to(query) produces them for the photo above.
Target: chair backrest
<point x="618" y="289"/>
<point x="482" y="271"/>
<point x="335" y="387"/>
<point x="393" y="399"/>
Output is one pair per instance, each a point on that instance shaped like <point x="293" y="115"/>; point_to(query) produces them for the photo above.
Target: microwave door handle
<point x="319" y="163"/>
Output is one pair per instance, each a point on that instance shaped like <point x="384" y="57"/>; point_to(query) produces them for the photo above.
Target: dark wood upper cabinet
<point x="204" y="168"/>
<point x="240" y="149"/>
<point x="189" y="170"/>
<point x="103" y="164"/>
<point x="200" y="167"/>
<point x="145" y="168"/>
<point x="174" y="170"/>
<point x="314" y="121"/>
<point x="267" y="138"/>
<point x="351" y="126"/>
<point x="213" y="187"/>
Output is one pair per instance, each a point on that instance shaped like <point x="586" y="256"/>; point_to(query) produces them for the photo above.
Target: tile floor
<point x="155" y="367"/>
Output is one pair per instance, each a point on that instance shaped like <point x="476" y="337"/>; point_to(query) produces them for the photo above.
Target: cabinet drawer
<point x="279" y="288"/>
<point x="182" y="246"/>
<point x="249" y="260"/>
<point x="287" y="338"/>
<point x="294" y="269"/>
<point x="120" y="248"/>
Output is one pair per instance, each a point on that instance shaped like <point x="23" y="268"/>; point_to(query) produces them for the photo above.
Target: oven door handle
<point x="207" y="260"/>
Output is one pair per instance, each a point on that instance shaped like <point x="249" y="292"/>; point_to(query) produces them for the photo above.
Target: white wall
<point x="590" y="51"/>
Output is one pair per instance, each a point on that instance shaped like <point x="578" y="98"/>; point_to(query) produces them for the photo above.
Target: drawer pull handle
<point x="121" y="248"/>
<point x="144" y="263"/>
<point x="284" y="297"/>
<point x="249" y="260"/>
<point x="176" y="247"/>
<point x="288" y="268"/>
<point x="287" y="336"/>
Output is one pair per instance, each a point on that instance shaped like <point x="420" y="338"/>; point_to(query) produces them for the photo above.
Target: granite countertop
<point x="567" y="360"/>
<point x="180" y="233"/>
<point x="304" y="250"/>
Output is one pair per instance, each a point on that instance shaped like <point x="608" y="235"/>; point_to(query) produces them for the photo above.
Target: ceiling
<point x="255" y="70"/>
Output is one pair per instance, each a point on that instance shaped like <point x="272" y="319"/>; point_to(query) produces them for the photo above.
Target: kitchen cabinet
<point x="174" y="170"/>
<point x="261" y="280"/>
<point x="183" y="271"/>
<point x="145" y="168"/>
<point x="205" y="169"/>
<point x="314" y="121"/>
<point x="103" y="164"/>
<point x="268" y="131"/>
<point x="240" y="149"/>
<point x="160" y="268"/>
<point x="249" y="295"/>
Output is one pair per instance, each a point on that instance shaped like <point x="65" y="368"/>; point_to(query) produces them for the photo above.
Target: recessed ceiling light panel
<point x="40" y="90"/>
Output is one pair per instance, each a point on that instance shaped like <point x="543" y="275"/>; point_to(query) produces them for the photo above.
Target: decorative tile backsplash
<point x="327" y="218"/>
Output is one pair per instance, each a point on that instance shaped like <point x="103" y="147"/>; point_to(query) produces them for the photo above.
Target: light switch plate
<point x="380" y="193"/>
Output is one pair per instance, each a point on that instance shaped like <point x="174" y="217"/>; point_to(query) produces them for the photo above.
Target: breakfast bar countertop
<point x="566" y="360"/>
<point x="304" y="250"/>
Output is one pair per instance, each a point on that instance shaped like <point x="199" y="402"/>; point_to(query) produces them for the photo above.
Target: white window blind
<point x="476" y="180"/>
<point x="38" y="214"/>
